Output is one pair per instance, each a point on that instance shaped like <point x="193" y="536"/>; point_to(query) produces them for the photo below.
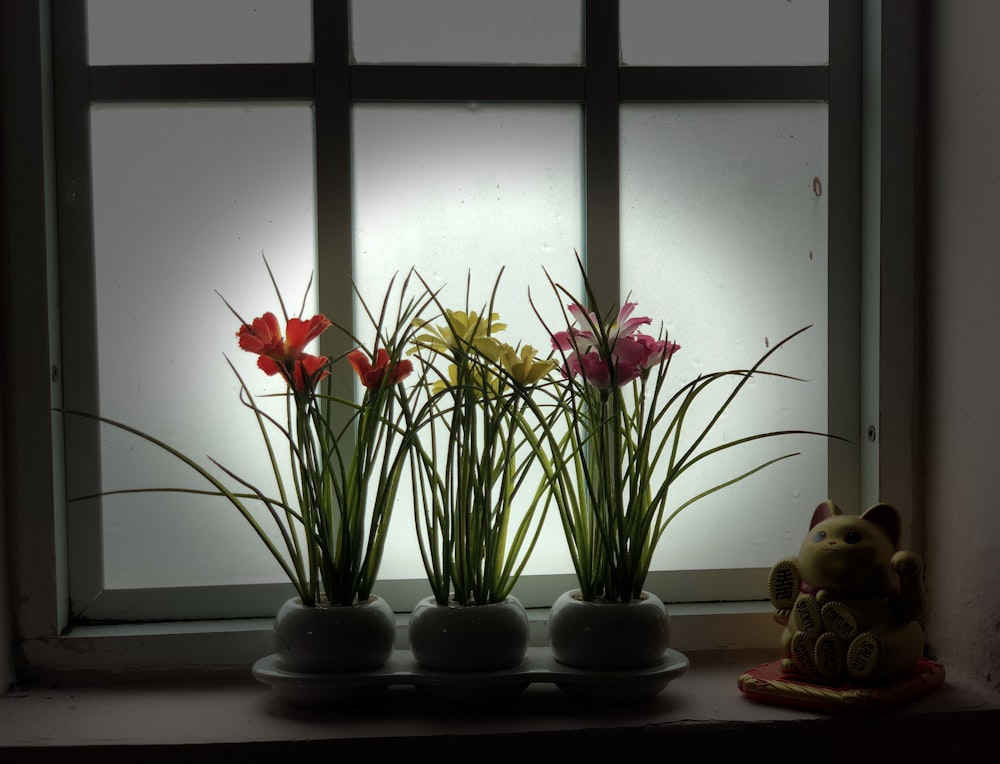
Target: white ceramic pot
<point x="469" y="638"/>
<point x="609" y="635"/>
<point x="335" y="638"/>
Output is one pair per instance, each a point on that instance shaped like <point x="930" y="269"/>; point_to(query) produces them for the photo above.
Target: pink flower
<point x="657" y="351"/>
<point x="573" y="340"/>
<point x="631" y="353"/>
<point x="625" y="326"/>
<point x="592" y="367"/>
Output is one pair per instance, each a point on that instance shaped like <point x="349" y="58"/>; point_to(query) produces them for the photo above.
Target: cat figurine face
<point x="850" y="554"/>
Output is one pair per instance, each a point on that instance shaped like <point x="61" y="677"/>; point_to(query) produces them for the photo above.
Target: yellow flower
<point x="522" y="365"/>
<point x="461" y="332"/>
<point x="472" y="327"/>
<point x="474" y="381"/>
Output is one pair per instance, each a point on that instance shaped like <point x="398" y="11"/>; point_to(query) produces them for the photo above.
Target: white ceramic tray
<point x="325" y="690"/>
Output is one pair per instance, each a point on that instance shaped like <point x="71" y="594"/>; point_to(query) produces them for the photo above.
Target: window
<point x="642" y="152"/>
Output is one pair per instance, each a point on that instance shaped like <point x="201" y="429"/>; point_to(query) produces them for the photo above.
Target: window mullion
<point x="189" y="82"/>
<point x="334" y="218"/>
<point x="725" y="83"/>
<point x="78" y="306"/>
<point x="844" y="285"/>
<point x="466" y="83"/>
<point x="601" y="153"/>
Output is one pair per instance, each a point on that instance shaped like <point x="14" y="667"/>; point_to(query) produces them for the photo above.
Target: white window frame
<point x="50" y="642"/>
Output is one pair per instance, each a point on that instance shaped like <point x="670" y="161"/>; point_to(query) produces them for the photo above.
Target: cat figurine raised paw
<point x="851" y="602"/>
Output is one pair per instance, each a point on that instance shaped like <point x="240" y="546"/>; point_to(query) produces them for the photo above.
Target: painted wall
<point x="962" y="315"/>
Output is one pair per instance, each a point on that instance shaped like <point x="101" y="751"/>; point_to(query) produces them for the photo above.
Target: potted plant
<point x="345" y="458"/>
<point x="476" y="442"/>
<point x="612" y="471"/>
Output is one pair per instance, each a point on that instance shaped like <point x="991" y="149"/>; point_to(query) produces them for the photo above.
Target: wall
<point x="961" y="337"/>
<point x="7" y="65"/>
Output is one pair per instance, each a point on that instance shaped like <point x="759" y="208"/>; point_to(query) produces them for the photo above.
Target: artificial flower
<point x="382" y="372"/>
<point x="611" y="472"/>
<point x="522" y="365"/>
<point x="263" y="336"/>
<point x="325" y="519"/>
<point x="476" y="440"/>
<point x="346" y="477"/>
<point x="308" y="370"/>
<point x="473" y="380"/>
<point x="285" y="354"/>
<point x="617" y="354"/>
<point x="461" y="333"/>
<point x="591" y="366"/>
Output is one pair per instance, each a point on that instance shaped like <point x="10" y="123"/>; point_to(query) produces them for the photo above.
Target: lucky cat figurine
<point x="851" y="602"/>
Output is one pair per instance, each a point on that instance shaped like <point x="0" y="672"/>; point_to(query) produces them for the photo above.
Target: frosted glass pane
<point x="186" y="200"/>
<point x="199" y="31"/>
<point x="724" y="32"/>
<point x="458" y="191"/>
<point x="466" y="31"/>
<point x="724" y="231"/>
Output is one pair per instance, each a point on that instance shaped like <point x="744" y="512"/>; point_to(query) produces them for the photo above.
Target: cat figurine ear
<point x="885" y="517"/>
<point x="824" y="511"/>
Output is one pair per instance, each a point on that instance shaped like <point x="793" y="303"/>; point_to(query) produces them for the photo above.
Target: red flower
<point x="286" y="354"/>
<point x="308" y="371"/>
<point x="382" y="372"/>
<point x="263" y="336"/>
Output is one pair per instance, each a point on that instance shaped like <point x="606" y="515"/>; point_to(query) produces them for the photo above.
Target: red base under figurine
<point x="769" y="684"/>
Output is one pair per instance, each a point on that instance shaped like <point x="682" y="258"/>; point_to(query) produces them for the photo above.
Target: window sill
<point x="108" y="700"/>
<point x="223" y="648"/>
<point x="126" y="718"/>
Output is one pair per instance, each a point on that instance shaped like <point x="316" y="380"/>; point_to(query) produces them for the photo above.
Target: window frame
<point x="38" y="523"/>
